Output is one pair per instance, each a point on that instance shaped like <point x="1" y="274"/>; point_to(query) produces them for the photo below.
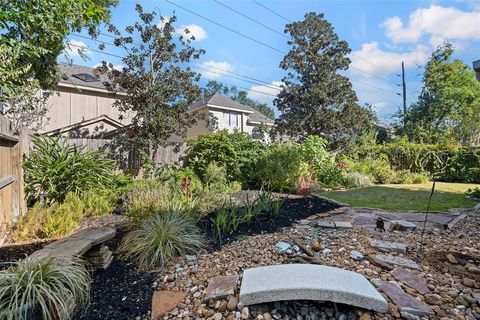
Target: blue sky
<point x="381" y="34"/>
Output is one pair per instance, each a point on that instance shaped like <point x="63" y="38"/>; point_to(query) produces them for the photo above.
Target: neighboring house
<point x="223" y="113"/>
<point x="476" y="67"/>
<point x="81" y="106"/>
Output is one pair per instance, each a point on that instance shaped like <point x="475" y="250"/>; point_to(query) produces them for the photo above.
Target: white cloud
<point x="193" y="30"/>
<point x="265" y="93"/>
<point x="214" y="70"/>
<point x="435" y="21"/>
<point x="73" y="47"/>
<point x="367" y="60"/>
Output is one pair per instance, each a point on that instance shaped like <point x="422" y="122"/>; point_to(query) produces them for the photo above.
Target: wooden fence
<point x="12" y="197"/>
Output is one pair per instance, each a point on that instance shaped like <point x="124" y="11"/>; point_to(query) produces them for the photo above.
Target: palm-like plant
<point x="46" y="287"/>
<point x="55" y="168"/>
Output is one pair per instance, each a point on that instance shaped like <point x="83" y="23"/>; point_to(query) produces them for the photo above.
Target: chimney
<point x="476" y="67"/>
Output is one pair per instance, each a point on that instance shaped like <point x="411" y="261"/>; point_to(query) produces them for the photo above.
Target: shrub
<point x="65" y="218"/>
<point x="304" y="186"/>
<point x="403" y="177"/>
<point x="187" y="181"/>
<point x="357" y="180"/>
<point x="98" y="203"/>
<point x="43" y="288"/>
<point x="280" y="167"/>
<point x="237" y="152"/>
<point x="160" y="238"/>
<point x="378" y="170"/>
<point x="420" y="178"/>
<point x="55" y="168"/>
<point x="31" y="224"/>
<point x="473" y="192"/>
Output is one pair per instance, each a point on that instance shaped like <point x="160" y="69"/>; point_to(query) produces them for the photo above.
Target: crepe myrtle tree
<point x="315" y="98"/>
<point x="155" y="84"/>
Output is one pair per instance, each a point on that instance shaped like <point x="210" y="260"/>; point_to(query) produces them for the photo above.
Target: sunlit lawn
<point x="406" y="197"/>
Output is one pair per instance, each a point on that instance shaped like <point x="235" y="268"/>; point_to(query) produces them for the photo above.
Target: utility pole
<point x="404" y="87"/>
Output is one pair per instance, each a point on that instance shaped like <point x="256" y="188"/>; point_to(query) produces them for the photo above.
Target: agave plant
<point x="55" y="168"/>
<point x="43" y="288"/>
<point x="160" y="238"/>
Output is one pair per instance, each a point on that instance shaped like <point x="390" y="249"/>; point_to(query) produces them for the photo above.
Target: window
<point x="232" y="119"/>
<point x="86" y="77"/>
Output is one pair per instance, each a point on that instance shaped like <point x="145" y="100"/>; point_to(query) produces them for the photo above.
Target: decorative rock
<point x="326" y="251"/>
<point x="315" y="245"/>
<point x="220" y="287"/>
<point x="433" y="299"/>
<point x="295" y="282"/>
<point x="217" y="316"/>
<point x="379" y="263"/>
<point x="467" y="282"/>
<point x="397" y="261"/>
<point x="451" y="258"/>
<point x="343" y="224"/>
<point x="402" y="225"/>
<point x="282" y="247"/>
<point x="389" y="246"/>
<point x="232" y="304"/>
<point x="245" y="313"/>
<point x="404" y="302"/>
<point x="357" y="256"/>
<point x="165" y="301"/>
<point x="411" y="280"/>
<point x="208" y="312"/>
<point x="191" y="257"/>
<point x="323" y="224"/>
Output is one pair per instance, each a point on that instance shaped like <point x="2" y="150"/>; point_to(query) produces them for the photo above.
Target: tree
<point x="315" y="98"/>
<point x="237" y="95"/>
<point x="153" y="85"/>
<point x="448" y="107"/>
<point x="32" y="34"/>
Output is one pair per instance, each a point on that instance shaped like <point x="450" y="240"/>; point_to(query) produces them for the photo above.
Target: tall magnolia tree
<point x="155" y="84"/>
<point x="316" y="99"/>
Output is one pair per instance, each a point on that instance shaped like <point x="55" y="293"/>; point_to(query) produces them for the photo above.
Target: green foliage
<point x="30" y="225"/>
<point x="37" y="29"/>
<point x="45" y="287"/>
<point x="448" y="107"/>
<point x="98" y="203"/>
<point x="357" y="180"/>
<point x="316" y="98"/>
<point x="268" y="203"/>
<point x="55" y="168"/>
<point x="187" y="181"/>
<point x="157" y="83"/>
<point x="160" y="238"/>
<point x="237" y="152"/>
<point x="280" y="166"/>
<point x="378" y="169"/>
<point x="65" y="218"/>
<point x="473" y="192"/>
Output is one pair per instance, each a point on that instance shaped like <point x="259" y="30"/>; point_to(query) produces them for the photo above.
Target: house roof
<point x="218" y="100"/>
<point x="69" y="70"/>
<point x="76" y="126"/>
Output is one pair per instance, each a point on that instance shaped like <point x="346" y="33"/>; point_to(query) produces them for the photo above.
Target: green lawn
<point x="406" y="197"/>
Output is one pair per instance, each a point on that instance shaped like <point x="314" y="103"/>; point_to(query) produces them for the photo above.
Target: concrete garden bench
<point x="88" y="243"/>
<point x="309" y="282"/>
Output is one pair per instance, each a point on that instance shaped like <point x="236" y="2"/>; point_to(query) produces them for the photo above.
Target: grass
<point x="406" y="197"/>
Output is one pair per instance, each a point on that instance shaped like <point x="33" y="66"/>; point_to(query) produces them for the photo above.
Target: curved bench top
<point x="309" y="282"/>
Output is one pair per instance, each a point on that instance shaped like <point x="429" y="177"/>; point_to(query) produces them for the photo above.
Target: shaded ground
<point x="413" y="197"/>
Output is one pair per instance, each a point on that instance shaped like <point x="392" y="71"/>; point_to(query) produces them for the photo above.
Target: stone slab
<point x="403" y="301"/>
<point x="379" y="263"/>
<point x="410" y="279"/>
<point x="324" y="224"/>
<point x="220" y="287"/>
<point x="452" y="223"/>
<point x="476" y="295"/>
<point x="343" y="224"/>
<point x="70" y="246"/>
<point x="389" y="246"/>
<point x="398" y="261"/>
<point x="402" y="225"/>
<point x="309" y="282"/>
<point x="96" y="235"/>
<point x="165" y="301"/>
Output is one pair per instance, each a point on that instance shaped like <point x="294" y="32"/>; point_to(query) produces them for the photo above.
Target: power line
<point x="251" y="19"/>
<point x="373" y="86"/>
<point x="274" y="12"/>
<point x="116" y="56"/>
<point x="227" y="28"/>
<point x="378" y="66"/>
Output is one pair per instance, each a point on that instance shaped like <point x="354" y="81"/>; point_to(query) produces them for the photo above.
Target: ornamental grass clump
<point x="46" y="287"/>
<point x="160" y="238"/>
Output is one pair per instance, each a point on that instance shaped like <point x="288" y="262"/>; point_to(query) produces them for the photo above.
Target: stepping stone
<point x="398" y="261"/>
<point x="411" y="280"/>
<point x="220" y="287"/>
<point x="309" y="282"/>
<point x="165" y="301"/>
<point x="282" y="247"/>
<point x="379" y="263"/>
<point x="387" y="246"/>
<point x="452" y="223"/>
<point x="405" y="303"/>
<point x="324" y="224"/>
<point x="402" y="225"/>
<point x="343" y="224"/>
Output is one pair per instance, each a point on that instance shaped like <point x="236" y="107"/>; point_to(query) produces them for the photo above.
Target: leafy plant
<point x="160" y="238"/>
<point x="56" y="168"/>
<point x="98" y="203"/>
<point x="46" y="287"/>
<point x="65" y="218"/>
<point x="250" y="209"/>
<point x="221" y="224"/>
<point x="304" y="186"/>
<point x="268" y="203"/>
<point x="30" y="225"/>
<point x="357" y="180"/>
<point x="473" y="192"/>
<point x="378" y="169"/>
